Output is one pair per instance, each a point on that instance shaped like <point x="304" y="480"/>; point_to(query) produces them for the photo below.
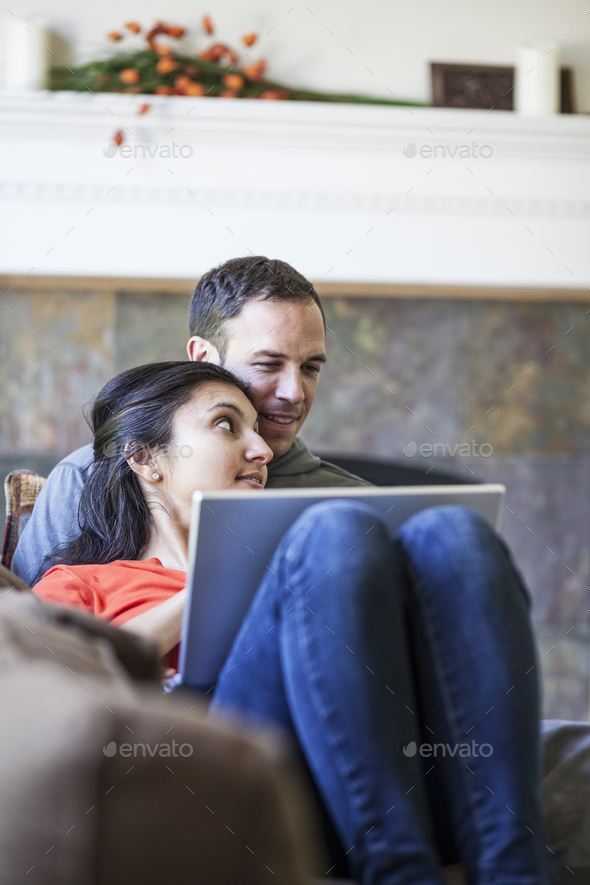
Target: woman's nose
<point x="259" y="450"/>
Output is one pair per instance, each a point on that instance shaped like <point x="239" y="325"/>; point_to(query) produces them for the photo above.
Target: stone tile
<point x="529" y="376"/>
<point x="56" y="352"/>
<point x="150" y="327"/>
<point x="452" y="366"/>
<point x="394" y="370"/>
<point x="546" y="524"/>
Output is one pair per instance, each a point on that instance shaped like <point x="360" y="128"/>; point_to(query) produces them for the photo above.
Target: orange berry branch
<point x="161" y="68"/>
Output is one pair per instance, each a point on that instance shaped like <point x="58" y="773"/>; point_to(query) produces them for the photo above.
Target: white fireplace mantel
<point x="324" y="186"/>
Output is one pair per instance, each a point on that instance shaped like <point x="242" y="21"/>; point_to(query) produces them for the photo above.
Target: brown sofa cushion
<point x="226" y="812"/>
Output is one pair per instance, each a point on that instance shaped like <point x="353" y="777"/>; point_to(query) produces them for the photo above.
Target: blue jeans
<point x="393" y="663"/>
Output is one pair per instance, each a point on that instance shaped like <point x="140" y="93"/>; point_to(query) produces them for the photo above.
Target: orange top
<point x="115" y="591"/>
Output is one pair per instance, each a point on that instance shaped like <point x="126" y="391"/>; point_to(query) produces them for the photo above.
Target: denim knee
<point x="336" y="520"/>
<point x="447" y="520"/>
<point x="461" y="543"/>
<point x="339" y="511"/>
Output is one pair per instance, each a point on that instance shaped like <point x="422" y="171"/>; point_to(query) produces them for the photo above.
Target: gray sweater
<point x="55" y="517"/>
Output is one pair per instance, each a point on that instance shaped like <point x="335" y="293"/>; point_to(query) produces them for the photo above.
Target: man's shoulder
<point x="299" y="468"/>
<point x="79" y="461"/>
<point x="332" y="475"/>
<point x="325" y="475"/>
<point x="67" y="477"/>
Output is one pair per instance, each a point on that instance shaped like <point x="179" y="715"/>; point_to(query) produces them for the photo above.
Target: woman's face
<point x="215" y="445"/>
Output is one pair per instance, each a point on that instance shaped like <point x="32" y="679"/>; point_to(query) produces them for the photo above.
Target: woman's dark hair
<point x="132" y="415"/>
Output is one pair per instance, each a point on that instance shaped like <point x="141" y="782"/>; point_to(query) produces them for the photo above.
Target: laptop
<point x="234" y="535"/>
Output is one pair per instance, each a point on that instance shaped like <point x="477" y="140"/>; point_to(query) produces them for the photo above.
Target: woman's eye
<point x="226" y="423"/>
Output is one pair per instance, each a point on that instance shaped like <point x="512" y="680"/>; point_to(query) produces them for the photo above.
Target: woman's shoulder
<point x="96" y="585"/>
<point x="85" y="572"/>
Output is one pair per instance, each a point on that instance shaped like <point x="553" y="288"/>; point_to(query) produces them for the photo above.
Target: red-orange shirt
<point x="115" y="591"/>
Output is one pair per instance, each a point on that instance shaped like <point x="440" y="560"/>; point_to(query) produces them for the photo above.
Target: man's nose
<point x="289" y="387"/>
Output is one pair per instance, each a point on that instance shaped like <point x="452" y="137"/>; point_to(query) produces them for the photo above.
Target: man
<point x="260" y="319"/>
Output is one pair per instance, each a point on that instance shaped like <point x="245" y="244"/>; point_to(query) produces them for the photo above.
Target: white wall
<point x="371" y="46"/>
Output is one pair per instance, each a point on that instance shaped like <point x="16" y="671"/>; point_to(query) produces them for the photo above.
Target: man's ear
<point x="202" y="351"/>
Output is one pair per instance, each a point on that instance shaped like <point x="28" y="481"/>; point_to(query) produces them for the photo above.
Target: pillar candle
<point x="26" y="53"/>
<point x="537" y="86"/>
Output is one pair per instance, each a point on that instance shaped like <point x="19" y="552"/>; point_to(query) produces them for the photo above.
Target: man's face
<point x="278" y="348"/>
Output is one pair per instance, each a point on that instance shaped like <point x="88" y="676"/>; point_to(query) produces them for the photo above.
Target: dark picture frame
<point x="485" y="87"/>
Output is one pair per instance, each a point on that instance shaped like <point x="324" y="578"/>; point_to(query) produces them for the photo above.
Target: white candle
<point x="26" y="53"/>
<point x="537" y="86"/>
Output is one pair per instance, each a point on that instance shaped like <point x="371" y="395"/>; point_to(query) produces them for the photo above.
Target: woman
<point x="393" y="664"/>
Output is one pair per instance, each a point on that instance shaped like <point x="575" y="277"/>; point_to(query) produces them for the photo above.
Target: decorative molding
<point x="20" y="283"/>
<point x="62" y="116"/>
<point x="234" y="198"/>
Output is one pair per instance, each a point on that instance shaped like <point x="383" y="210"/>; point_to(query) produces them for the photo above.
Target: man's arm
<point x="54" y="520"/>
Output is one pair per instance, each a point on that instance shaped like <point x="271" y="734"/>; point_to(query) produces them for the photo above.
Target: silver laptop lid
<point x="232" y="540"/>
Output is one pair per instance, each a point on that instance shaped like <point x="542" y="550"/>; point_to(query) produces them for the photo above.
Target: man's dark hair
<point x="131" y="416"/>
<point x="222" y="292"/>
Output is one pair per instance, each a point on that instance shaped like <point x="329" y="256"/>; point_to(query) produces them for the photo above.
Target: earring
<point x="155" y="476"/>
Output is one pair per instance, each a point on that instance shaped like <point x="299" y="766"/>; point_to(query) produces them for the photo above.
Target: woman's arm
<point x="161" y="623"/>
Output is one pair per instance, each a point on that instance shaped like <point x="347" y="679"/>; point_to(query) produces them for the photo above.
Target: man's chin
<point x="279" y="439"/>
<point x="280" y="443"/>
<point x="279" y="447"/>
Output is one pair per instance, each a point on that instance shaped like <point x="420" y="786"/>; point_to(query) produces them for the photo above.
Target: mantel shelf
<point x="175" y="286"/>
<point x="319" y="125"/>
<point x="364" y="195"/>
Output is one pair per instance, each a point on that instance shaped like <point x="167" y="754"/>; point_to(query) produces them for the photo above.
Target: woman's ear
<point x="144" y="464"/>
<point x="202" y="351"/>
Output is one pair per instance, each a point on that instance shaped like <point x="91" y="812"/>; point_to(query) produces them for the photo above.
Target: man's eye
<point x="268" y="365"/>
<point x="227" y="423"/>
<point x="315" y="369"/>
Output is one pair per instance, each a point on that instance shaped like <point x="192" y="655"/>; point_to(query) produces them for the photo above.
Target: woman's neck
<point x="168" y="542"/>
